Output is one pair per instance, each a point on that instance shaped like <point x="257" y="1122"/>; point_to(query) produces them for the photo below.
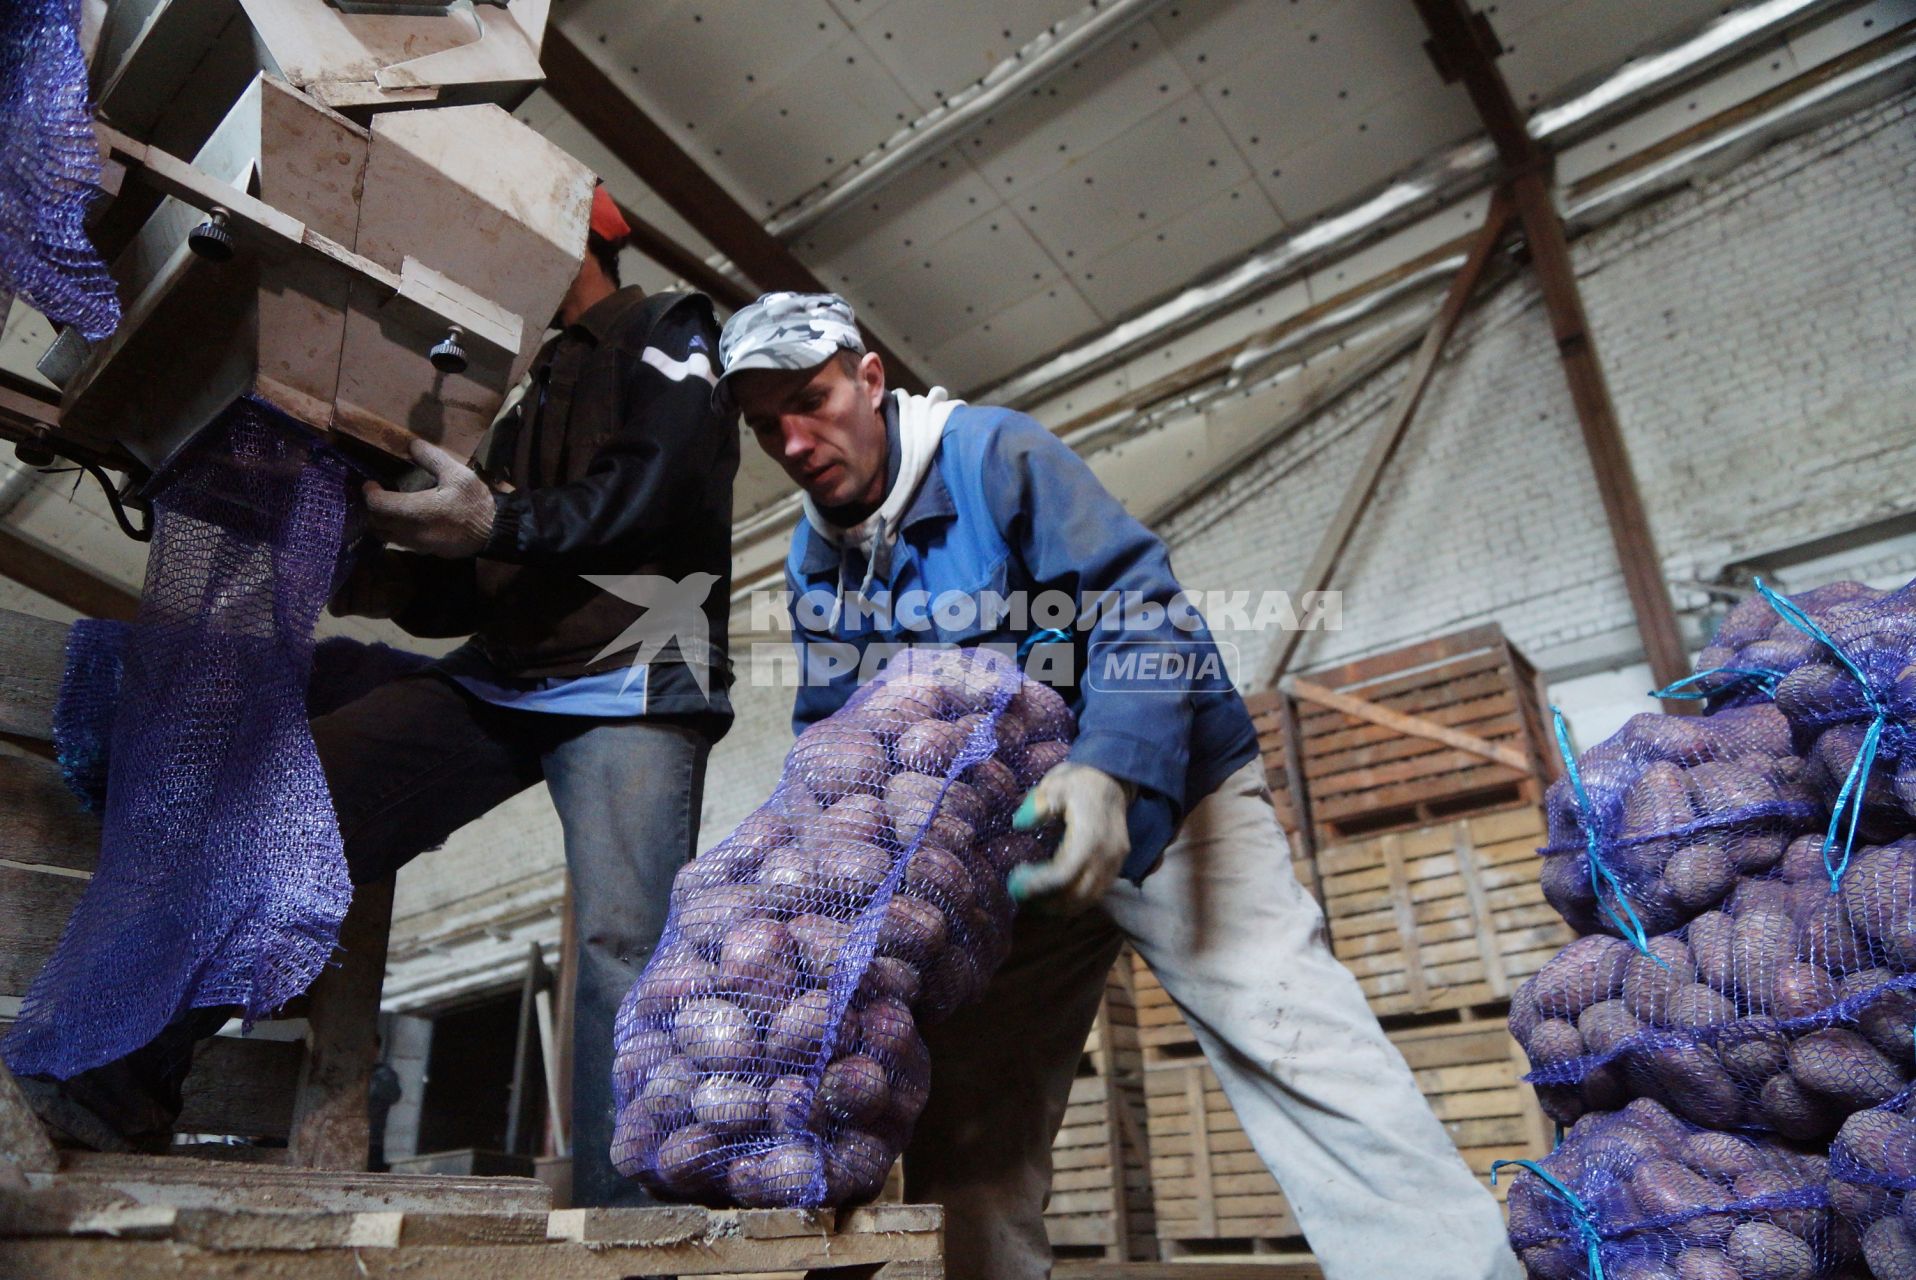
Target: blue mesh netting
<point x="1639" y="1195"/>
<point x="221" y="878"/>
<point x="49" y="169"/>
<point x="769" y="1055"/>
<point x="344" y="669"/>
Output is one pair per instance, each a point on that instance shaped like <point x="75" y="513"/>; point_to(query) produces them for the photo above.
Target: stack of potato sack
<point x="1746" y="885"/>
<point x="769" y="1055"/>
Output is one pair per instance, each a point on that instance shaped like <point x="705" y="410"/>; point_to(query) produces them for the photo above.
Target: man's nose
<point x="798" y="441"/>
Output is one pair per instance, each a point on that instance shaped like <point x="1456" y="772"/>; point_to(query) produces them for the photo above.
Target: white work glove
<point x="453" y="519"/>
<point x="1096" y="840"/>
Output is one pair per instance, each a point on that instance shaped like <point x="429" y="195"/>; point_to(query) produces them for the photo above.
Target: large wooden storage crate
<point x="1472" y="1073"/>
<point x="1445" y="916"/>
<point x="1101" y="1202"/>
<point x="1212" y="1192"/>
<point x="1384" y="769"/>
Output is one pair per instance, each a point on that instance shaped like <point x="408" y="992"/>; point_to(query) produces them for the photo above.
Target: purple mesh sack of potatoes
<point x="1784" y="1010"/>
<point x="1872" y="1171"/>
<point x="1657" y="823"/>
<point x="1755" y="647"/>
<point x="769" y="1055"/>
<point x="1637" y="1194"/>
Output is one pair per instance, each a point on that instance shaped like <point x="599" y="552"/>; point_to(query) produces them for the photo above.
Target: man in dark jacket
<point x="589" y="558"/>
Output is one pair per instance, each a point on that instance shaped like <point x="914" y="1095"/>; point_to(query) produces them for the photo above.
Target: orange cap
<point x="607" y="222"/>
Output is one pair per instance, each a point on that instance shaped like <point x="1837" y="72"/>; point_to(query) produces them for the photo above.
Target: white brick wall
<point x="1757" y="335"/>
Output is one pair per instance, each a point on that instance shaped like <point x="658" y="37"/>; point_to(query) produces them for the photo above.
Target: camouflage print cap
<point x="785" y="331"/>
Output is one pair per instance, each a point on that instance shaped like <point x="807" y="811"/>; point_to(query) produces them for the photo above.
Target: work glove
<point x="453" y="519"/>
<point x="1092" y="805"/>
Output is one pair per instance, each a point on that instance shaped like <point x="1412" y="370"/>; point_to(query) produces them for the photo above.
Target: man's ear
<point x="871" y="374"/>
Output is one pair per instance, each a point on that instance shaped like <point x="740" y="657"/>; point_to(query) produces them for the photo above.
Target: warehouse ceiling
<point x="1192" y="134"/>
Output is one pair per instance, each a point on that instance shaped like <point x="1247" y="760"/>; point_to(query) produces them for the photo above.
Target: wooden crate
<point x="134" y="1218"/>
<point x="1472" y="1073"/>
<point x="1208" y="1185"/>
<point x="1365" y="777"/>
<point x="1100" y="1205"/>
<point x="1268" y="718"/>
<point x="1443" y="917"/>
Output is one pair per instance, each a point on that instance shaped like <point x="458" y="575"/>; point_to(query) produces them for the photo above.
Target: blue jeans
<point x="418" y="758"/>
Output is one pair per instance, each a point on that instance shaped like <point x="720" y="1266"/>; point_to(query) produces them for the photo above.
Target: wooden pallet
<point x="1399" y="762"/>
<point x="1441" y="917"/>
<point x="140" y="1218"/>
<point x="1101" y="1203"/>
<point x="1472" y="1073"/>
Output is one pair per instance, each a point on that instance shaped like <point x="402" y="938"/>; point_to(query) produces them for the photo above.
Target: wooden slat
<point x="329" y="1127"/>
<point x="1486" y="932"/>
<point x="32" y="659"/>
<point x="34" y="906"/>
<point x="41" y="823"/>
<point x="1414" y="726"/>
<point x="1424" y="653"/>
<point x="62" y="579"/>
<point x="242" y="1087"/>
<point x="1413" y="966"/>
<point x="189" y="1183"/>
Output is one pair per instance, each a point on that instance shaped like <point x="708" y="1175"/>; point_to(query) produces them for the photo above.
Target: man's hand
<point x="453" y="519"/>
<point x="1096" y="840"/>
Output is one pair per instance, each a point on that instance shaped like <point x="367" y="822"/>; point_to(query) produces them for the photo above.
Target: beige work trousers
<point x="1327" y="1101"/>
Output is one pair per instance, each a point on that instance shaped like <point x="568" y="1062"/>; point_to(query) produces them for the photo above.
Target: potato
<point x="897" y="702"/>
<point x="667" y="1094"/>
<point x="729" y="1104"/>
<point x="853" y="1091"/>
<point x="1844" y="1067"/>
<point x="1667" y="738"/>
<point x="855" y="1167"/>
<point x="1764" y="1251"/>
<point x="911" y="799"/>
<point x="929" y="747"/>
<point x="1721" y="1155"/>
<point x="790" y="1104"/>
<point x="1888" y="1020"/>
<point x="1705" y="1264"/>
<point x="690" y="1158"/>
<point x="1827" y="938"/>
<point x="997" y="786"/>
<point x="1006" y="735"/>
<point x="1657" y="801"/>
<point x="1793" y="1111"/>
<point x="745" y="1183"/>
<point x="792" y="876"/>
<point x="819" y="941"/>
<point x="793" y="1040"/>
<point x="1803" y="859"/>
<point x="834" y="759"/>
<point x="1806" y="690"/>
<point x="1762" y="944"/>
<point x="1697" y="876"/>
<point x="1039" y="759"/>
<point x="853" y="871"/>
<point x="1012" y="849"/>
<point x="912" y="930"/>
<point x="953" y="979"/>
<point x="1586" y="971"/>
<point x="1879" y="896"/>
<point x="1882" y="1142"/>
<point x="1662" y="1186"/>
<point x="886" y="1032"/>
<point x="890" y="978"/>
<point x="792" y="1172"/>
<point x="1690" y="1079"/>
<point x="1655" y="1119"/>
<point x="1649" y="981"/>
<point x="716" y="1035"/>
<point x="1607" y="1025"/>
<point x="704" y="919"/>
<point x="939" y="878"/>
<point x="1711" y="937"/>
<point x="1639" y="1267"/>
<point x="1890" y="1249"/>
<point x="1754" y="852"/>
<point x="1777" y="1186"/>
<point x="1553" y="1041"/>
<point x="1753" y="1049"/>
<point x="1042" y="713"/>
<point x="757" y="956"/>
<point x="1801" y="990"/>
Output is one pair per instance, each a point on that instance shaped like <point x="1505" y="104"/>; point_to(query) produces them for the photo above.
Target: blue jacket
<point x="1006" y="508"/>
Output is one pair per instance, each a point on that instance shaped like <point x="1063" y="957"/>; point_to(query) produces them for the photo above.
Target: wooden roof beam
<point x="1466" y="51"/>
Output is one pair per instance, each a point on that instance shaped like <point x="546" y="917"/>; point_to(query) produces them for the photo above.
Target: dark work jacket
<point x="612" y="463"/>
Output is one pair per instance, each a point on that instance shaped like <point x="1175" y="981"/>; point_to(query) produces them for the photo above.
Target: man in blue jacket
<point x="923" y="513"/>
